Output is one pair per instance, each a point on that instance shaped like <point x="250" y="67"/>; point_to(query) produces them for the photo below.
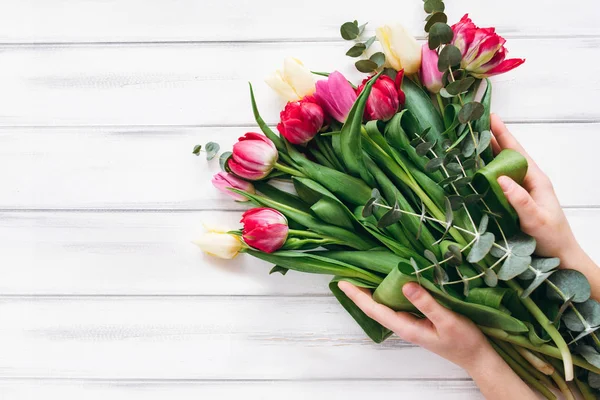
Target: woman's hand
<point x="447" y="334"/>
<point x="540" y="213"/>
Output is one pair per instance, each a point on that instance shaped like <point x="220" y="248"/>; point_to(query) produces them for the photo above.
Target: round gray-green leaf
<point x="433" y="6"/>
<point x="522" y="244"/>
<point x="513" y="266"/>
<point x="366" y="66"/>
<point x="471" y="111"/>
<point x="589" y="310"/>
<point x="594" y="380"/>
<point x="435" y="17"/>
<point x="541" y="265"/>
<point x="223" y="160"/>
<point x="490" y="278"/>
<point x="212" y="149"/>
<point x="460" y="86"/>
<point x="356" y="50"/>
<point x="589" y="353"/>
<point x="481" y="248"/>
<point x="378" y="58"/>
<point x="572" y="284"/>
<point x="450" y="55"/>
<point x="440" y="33"/>
<point x="349" y="31"/>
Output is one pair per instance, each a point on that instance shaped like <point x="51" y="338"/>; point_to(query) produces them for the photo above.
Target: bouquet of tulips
<point x="394" y="181"/>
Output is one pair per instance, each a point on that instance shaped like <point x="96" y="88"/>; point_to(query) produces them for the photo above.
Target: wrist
<point x="481" y="361"/>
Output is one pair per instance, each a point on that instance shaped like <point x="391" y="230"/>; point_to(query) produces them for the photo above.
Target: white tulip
<point x="222" y="245"/>
<point x="294" y="82"/>
<point x="400" y="48"/>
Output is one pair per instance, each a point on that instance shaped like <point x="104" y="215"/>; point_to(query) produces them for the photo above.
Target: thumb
<point x="527" y="209"/>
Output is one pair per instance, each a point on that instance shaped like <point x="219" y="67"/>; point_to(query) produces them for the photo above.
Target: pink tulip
<point x="430" y="74"/>
<point x="254" y="156"/>
<point x="224" y="181"/>
<point x="265" y="229"/>
<point x="385" y="99"/>
<point x="336" y="96"/>
<point x="301" y="120"/>
<point x="482" y="49"/>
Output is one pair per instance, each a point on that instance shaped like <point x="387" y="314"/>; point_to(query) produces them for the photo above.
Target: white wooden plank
<point x="185" y="390"/>
<point x="206" y="84"/>
<point x="200" y="338"/>
<point x="153" y="168"/>
<point x="147" y="253"/>
<point x="185" y="20"/>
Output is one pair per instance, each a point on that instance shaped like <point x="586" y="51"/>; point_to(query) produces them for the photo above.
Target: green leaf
<point x="223" y="158"/>
<point x="483" y="224"/>
<point x="481" y="248"/>
<point x="534" y="338"/>
<point x="434" y="164"/>
<point x="470" y="112"/>
<point x="378" y="58"/>
<point x="424" y="148"/>
<point x="367" y="210"/>
<point x="212" y="149"/>
<point x="537" y="281"/>
<point x="450" y="56"/>
<point x="540" y="265"/>
<point x="520" y="244"/>
<point x="483" y="123"/>
<point x="439" y="33"/>
<point x="391" y="217"/>
<point x="432" y="6"/>
<point x="349" y="30"/>
<point x="366" y="66"/>
<point x="332" y="212"/>
<point x="513" y="266"/>
<point x="370" y="41"/>
<point x="589" y="353"/>
<point x="461" y="86"/>
<point x="491" y="297"/>
<point x="490" y="278"/>
<point x="356" y="50"/>
<point x="435" y="17"/>
<point x="589" y="310"/>
<point x="485" y="138"/>
<point x="279" y="143"/>
<point x="197" y="149"/>
<point x="279" y="269"/>
<point x="571" y="283"/>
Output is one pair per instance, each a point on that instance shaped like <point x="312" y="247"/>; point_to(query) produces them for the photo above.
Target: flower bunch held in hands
<point x="395" y="182"/>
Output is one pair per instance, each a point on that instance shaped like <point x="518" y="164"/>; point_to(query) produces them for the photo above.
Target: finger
<point x="405" y="325"/>
<point x="495" y="146"/>
<point x="421" y="299"/>
<point x="504" y="138"/>
<point x="527" y="209"/>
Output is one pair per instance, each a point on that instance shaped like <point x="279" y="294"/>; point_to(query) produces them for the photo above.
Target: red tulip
<point x="482" y="49"/>
<point x="223" y="181"/>
<point x="265" y="229"/>
<point x="385" y="99"/>
<point x="254" y="156"/>
<point x="336" y="95"/>
<point x="301" y="120"/>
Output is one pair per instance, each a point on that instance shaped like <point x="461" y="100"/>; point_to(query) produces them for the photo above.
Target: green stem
<point x="514" y="354"/>
<point x="585" y="389"/>
<point x="525" y="375"/>
<point x="288" y="170"/>
<point x="549" y="327"/>
<point x="305" y="234"/>
<point x="560" y="382"/>
<point x="440" y="102"/>
<point x="545" y="349"/>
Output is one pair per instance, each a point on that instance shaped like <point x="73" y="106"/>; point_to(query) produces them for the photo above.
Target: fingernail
<point x="505" y="183"/>
<point x="410" y="290"/>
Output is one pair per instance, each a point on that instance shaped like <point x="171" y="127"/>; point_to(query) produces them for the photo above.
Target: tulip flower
<point x="482" y="49"/>
<point x="222" y="245"/>
<point x="294" y="82"/>
<point x="254" y="156"/>
<point x="336" y="95"/>
<point x="265" y="229"/>
<point x="301" y="120"/>
<point x="400" y="48"/>
<point x="223" y="181"/>
<point x="430" y="74"/>
<point x="385" y="99"/>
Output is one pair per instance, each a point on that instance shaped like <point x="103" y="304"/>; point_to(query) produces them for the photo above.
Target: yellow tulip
<point x="294" y="82"/>
<point x="222" y="245"/>
<point x="400" y="48"/>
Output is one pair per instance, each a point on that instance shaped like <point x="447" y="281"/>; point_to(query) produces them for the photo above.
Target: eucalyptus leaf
<point x="537" y="281"/>
<point x="490" y="278"/>
<point x="470" y="112"/>
<point x="456" y="201"/>
<point x="522" y="244"/>
<point x="541" y="265"/>
<point x="378" y="58"/>
<point x="453" y="167"/>
<point x="440" y="33"/>
<point x="445" y="94"/>
<point x="513" y="266"/>
<point x="391" y="217"/>
<point x="469" y="164"/>
<point x="450" y="56"/>
<point x="223" y="158"/>
<point x="468" y="147"/>
<point x="435" y="17"/>
<point x="424" y="148"/>
<point x="461" y="86"/>
<point x="432" y="6"/>
<point x="472" y="199"/>
<point x="589" y="353"/>
<point x="571" y="283"/>
<point x="589" y="310"/>
<point x="481" y="248"/>
<point x="349" y="30"/>
<point x="366" y="66"/>
<point x="212" y="149"/>
<point x="583" y="334"/>
<point x="356" y="50"/>
<point x="370" y="41"/>
<point x="485" y="139"/>
<point x="483" y="224"/>
<point x="434" y="164"/>
<point x="197" y="149"/>
<point x="594" y="380"/>
<point x="277" y="268"/>
<point x="368" y="208"/>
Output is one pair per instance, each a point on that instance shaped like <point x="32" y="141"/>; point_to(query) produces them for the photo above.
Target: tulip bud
<point x="482" y="49"/>
<point x="301" y="120"/>
<point x="336" y="95"/>
<point x="265" y="229"/>
<point x="294" y="82"/>
<point x="430" y="74"/>
<point x="254" y="156"/>
<point x="223" y="181"/>
<point x="222" y="245"/>
<point x="400" y="48"/>
<point x="385" y="99"/>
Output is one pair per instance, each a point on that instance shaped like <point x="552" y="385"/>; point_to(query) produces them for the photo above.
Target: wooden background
<point x="101" y="101"/>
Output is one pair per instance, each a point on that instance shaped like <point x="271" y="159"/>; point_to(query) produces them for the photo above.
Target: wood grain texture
<point x="153" y="168"/>
<point x="206" y="84"/>
<point x="253" y="390"/>
<point x="245" y="20"/>
<point x="150" y="253"/>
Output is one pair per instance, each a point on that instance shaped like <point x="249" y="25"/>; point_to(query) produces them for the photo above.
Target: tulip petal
<point x="277" y="83"/>
<point x="267" y="238"/>
<point x="299" y="77"/>
<point x="221" y="245"/>
<point x="503" y="67"/>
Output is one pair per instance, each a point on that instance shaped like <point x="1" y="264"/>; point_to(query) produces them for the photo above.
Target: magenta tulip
<point x="224" y="181"/>
<point x="482" y="49"/>
<point x="336" y="95"/>
<point x="385" y="99"/>
<point x="301" y="120"/>
<point x="254" y="156"/>
<point x="265" y="229"/>
<point x="430" y="74"/>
